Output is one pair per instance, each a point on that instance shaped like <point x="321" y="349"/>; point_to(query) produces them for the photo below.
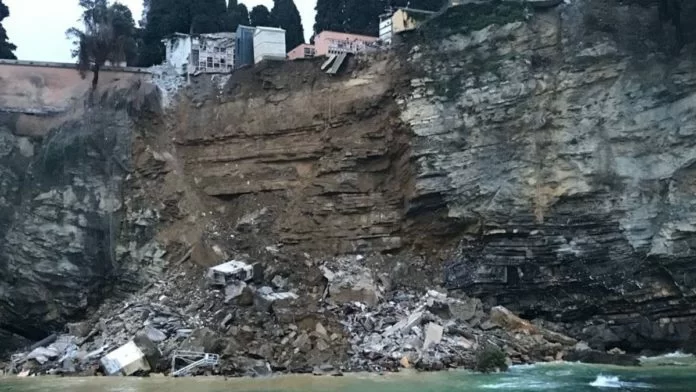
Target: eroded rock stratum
<point x="544" y="164"/>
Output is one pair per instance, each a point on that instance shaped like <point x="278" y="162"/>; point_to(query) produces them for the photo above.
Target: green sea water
<point x="547" y="377"/>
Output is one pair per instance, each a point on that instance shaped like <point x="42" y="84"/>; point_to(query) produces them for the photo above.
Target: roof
<point x="266" y="28"/>
<point x="218" y="35"/>
<point x="350" y="34"/>
<point x="416" y="11"/>
<point x="243" y="27"/>
<point x="232" y="267"/>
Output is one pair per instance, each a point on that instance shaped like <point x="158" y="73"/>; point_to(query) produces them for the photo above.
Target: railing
<point x="194" y="360"/>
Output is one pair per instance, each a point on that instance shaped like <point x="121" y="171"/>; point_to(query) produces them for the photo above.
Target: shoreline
<point x="656" y="362"/>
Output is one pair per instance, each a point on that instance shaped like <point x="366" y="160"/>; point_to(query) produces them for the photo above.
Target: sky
<point x="38" y="27"/>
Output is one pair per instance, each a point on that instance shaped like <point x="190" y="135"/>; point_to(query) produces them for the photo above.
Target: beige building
<point x="403" y="19"/>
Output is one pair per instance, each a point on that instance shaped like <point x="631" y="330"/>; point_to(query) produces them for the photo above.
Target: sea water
<point x="561" y="377"/>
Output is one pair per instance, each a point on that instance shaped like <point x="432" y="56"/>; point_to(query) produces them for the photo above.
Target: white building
<point x="203" y="53"/>
<point x="269" y="44"/>
<point x="386" y="28"/>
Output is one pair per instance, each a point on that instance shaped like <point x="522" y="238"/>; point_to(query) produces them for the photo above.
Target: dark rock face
<point x="570" y="168"/>
<point x="61" y="209"/>
<point x="58" y="241"/>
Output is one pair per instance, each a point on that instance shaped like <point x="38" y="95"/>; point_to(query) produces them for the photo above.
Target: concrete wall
<point x="331" y="42"/>
<point x="407" y="19"/>
<point x="32" y="94"/>
<point x="178" y="51"/>
<point x="269" y="44"/>
<point x="299" y="52"/>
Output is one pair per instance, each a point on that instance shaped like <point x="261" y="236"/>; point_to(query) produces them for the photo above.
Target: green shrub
<point x="490" y="358"/>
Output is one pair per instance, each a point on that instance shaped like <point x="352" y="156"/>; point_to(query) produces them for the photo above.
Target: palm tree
<point x="107" y="36"/>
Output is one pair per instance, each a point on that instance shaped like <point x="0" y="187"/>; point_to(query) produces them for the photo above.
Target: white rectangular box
<point x="269" y="44"/>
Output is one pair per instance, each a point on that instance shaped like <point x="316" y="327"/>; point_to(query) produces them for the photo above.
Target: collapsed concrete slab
<point x="234" y="270"/>
<point x="433" y="335"/>
<point x="125" y="360"/>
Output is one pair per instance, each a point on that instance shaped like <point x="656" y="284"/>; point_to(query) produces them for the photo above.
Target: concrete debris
<point x="417" y="329"/>
<point x="126" y="360"/>
<point x="234" y="289"/>
<point x="349" y="281"/>
<point x="231" y="271"/>
<point x="257" y="328"/>
<point x="155" y="334"/>
<point x="42" y="355"/>
<point x="433" y="335"/>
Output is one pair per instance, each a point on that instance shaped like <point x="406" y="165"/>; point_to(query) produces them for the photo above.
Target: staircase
<point x="194" y="360"/>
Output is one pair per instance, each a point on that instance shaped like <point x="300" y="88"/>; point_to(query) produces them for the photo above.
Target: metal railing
<point x="193" y="360"/>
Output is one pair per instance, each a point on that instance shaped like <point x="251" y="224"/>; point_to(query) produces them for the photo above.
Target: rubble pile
<point x="354" y="324"/>
<point x="436" y="332"/>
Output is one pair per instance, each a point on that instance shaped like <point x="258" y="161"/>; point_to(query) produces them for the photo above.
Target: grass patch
<point x="466" y="18"/>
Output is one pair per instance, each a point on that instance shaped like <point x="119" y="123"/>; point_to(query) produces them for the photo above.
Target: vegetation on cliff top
<point x="6" y="47"/>
<point x="362" y="16"/>
<point x="108" y="35"/>
<point x="166" y="17"/>
<point x="476" y="16"/>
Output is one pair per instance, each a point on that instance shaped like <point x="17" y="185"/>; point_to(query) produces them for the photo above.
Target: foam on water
<point x="514" y="385"/>
<point x="614" y="382"/>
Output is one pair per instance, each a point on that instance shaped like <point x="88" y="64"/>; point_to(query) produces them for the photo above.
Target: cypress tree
<point x="330" y="15"/>
<point x="6" y="47"/>
<point x="260" y="16"/>
<point x="165" y="17"/>
<point x="286" y="16"/>
<point x="237" y="14"/>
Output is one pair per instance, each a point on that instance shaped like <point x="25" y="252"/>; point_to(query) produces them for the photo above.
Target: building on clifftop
<point x="202" y="53"/>
<point x="403" y="19"/>
<point x="329" y="43"/>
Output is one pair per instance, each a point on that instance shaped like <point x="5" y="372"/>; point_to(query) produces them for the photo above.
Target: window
<point x="222" y="62"/>
<point x="210" y="62"/>
<point x="308" y="52"/>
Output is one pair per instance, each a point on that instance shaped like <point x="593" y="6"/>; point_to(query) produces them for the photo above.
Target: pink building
<point x="327" y="43"/>
<point x="302" y="51"/>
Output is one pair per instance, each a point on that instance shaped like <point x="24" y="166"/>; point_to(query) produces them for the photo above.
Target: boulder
<point x="601" y="357"/>
<point x="234" y="289"/>
<point x="79" y="330"/>
<point x="202" y="340"/>
<point x="351" y="283"/>
<point x="505" y="319"/>
<point x="155" y="335"/>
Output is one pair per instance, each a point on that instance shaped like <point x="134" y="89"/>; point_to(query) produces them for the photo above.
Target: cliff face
<point x="62" y="212"/>
<point x="567" y="154"/>
<point x="545" y="164"/>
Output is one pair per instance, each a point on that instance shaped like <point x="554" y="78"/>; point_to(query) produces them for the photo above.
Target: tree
<point x="208" y="16"/>
<point x="286" y="16"/>
<point x="237" y="14"/>
<point x="106" y="36"/>
<point x="330" y="16"/>
<point x="166" y="17"/>
<point x="6" y="47"/>
<point x="260" y="16"/>
<point x="124" y="26"/>
<point x="362" y="16"/>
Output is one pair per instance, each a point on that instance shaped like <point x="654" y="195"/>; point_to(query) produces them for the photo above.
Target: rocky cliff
<point x="565" y="149"/>
<point x="539" y="159"/>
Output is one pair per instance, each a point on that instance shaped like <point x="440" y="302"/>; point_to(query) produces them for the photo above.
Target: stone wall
<point x="32" y="93"/>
